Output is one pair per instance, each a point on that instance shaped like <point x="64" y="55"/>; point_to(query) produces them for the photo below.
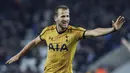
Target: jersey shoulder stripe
<point x="48" y="28"/>
<point x="76" y="28"/>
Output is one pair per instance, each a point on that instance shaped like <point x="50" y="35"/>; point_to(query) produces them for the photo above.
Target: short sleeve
<point x="42" y="34"/>
<point x="80" y="33"/>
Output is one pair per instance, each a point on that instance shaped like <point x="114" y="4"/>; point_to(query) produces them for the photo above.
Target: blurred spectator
<point x="43" y="54"/>
<point x="126" y="43"/>
<point x="29" y="61"/>
<point x="101" y="70"/>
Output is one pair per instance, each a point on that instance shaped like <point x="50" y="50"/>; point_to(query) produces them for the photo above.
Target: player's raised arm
<point x="102" y="31"/>
<point x="30" y="45"/>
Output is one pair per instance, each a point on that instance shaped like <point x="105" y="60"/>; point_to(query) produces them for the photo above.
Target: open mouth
<point x="65" y="23"/>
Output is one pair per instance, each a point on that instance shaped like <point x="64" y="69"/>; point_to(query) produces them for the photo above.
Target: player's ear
<point x="55" y="19"/>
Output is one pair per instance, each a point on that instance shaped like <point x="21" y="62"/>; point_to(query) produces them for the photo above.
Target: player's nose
<point x="66" y="19"/>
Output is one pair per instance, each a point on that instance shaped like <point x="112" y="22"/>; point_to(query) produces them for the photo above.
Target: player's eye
<point x="63" y="16"/>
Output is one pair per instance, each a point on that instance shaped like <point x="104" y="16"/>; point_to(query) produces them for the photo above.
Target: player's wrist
<point x="18" y="55"/>
<point x="114" y="29"/>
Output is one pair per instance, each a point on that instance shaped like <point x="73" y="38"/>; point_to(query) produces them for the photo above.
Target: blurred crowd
<point x="23" y="20"/>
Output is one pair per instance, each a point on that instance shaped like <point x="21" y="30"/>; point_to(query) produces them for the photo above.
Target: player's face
<point x="63" y="18"/>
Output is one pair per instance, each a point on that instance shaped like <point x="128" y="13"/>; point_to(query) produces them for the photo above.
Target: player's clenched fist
<point x="119" y="22"/>
<point x="13" y="59"/>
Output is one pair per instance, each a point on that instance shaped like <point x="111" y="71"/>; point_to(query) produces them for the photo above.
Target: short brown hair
<point x="60" y="7"/>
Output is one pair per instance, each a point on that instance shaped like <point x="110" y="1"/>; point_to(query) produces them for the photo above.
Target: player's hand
<point x="119" y="22"/>
<point x="13" y="59"/>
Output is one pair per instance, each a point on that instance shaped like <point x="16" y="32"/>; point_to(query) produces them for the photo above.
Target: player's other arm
<point x="103" y="31"/>
<point x="30" y="45"/>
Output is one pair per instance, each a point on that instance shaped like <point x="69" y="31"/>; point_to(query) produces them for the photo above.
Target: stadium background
<point x="23" y="20"/>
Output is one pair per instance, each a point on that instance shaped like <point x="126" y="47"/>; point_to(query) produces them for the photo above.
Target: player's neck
<point x="60" y="29"/>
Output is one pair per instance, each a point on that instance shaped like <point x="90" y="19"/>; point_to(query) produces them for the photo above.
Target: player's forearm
<point x="26" y="48"/>
<point x="103" y="31"/>
<point x="98" y="32"/>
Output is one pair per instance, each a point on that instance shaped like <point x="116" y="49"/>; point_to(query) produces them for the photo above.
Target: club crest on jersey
<point x="55" y="47"/>
<point x="51" y="38"/>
